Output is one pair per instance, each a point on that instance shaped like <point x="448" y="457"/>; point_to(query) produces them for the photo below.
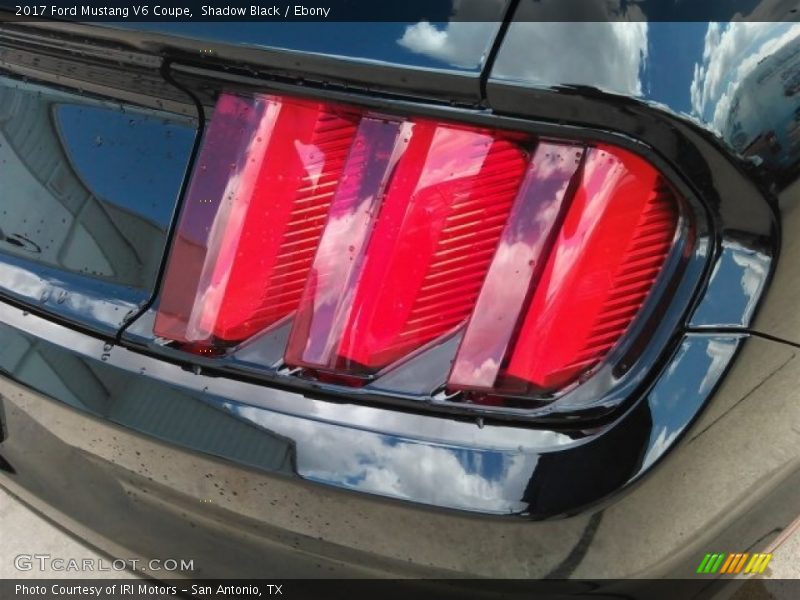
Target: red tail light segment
<point x="256" y="207"/>
<point x="518" y="263"/>
<point x="414" y="269"/>
<point x="613" y="241"/>
<point x="379" y="235"/>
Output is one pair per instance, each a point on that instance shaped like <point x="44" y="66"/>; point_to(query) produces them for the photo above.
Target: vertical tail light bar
<point x="334" y="281"/>
<point x="257" y="203"/>
<point x="418" y="275"/>
<point x="517" y="264"/>
<point x="604" y="261"/>
<point x="379" y="235"/>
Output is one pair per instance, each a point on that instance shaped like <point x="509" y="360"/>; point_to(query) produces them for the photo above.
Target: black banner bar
<point x="407" y="11"/>
<point x="350" y="589"/>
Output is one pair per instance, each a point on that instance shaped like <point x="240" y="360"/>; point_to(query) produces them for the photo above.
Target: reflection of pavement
<point x="28" y="533"/>
<point x="784" y="565"/>
<point x="25" y="532"/>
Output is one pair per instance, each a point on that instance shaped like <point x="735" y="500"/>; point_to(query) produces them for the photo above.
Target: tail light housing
<point x="372" y="238"/>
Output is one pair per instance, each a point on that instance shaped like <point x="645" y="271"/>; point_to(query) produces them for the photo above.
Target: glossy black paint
<point x="291" y="497"/>
<point x="89" y="189"/>
<point x="507" y="470"/>
<point x="197" y="456"/>
<point x="392" y="43"/>
<point x="109" y="70"/>
<point x="312" y="53"/>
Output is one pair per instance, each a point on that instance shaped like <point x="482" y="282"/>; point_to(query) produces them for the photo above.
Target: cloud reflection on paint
<point x="731" y="53"/>
<point x="392" y="466"/>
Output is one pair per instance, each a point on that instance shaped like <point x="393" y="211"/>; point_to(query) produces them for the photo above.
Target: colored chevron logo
<point x="732" y="564"/>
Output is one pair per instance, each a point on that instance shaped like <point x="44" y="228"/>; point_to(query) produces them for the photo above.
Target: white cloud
<point x="730" y="54"/>
<point x="720" y="352"/>
<point x="754" y="274"/>
<point x="460" y="43"/>
<point x="401" y="468"/>
<point x="606" y="50"/>
<point x="605" y="55"/>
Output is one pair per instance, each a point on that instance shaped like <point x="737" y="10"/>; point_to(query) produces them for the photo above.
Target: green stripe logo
<point x="711" y="563"/>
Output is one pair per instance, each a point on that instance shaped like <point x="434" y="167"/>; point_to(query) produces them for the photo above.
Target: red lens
<point x="334" y="279"/>
<point x="258" y="201"/>
<point x="418" y="276"/>
<point x="608" y="251"/>
<point x="517" y="265"/>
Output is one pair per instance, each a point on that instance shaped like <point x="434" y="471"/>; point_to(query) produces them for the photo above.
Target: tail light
<point x="413" y="271"/>
<point x="568" y="309"/>
<point x="255" y="210"/>
<point x="376" y="237"/>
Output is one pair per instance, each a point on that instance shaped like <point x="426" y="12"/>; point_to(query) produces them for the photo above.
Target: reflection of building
<point x="48" y="211"/>
<point x="764" y="118"/>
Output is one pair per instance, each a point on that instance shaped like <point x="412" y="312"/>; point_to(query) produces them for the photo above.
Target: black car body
<point x="149" y="452"/>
